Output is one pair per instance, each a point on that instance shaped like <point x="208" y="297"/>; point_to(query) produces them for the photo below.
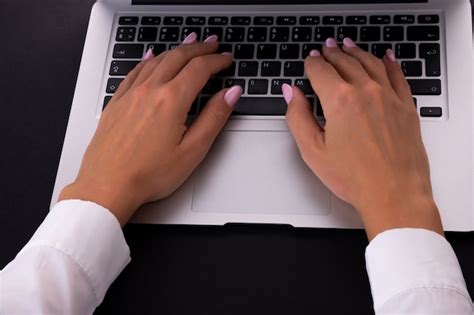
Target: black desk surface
<point x="174" y="269"/>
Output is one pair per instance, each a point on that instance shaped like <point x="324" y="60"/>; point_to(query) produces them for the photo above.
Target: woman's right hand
<point x="370" y="152"/>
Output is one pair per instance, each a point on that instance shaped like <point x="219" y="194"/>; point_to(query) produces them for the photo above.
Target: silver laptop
<point x="254" y="173"/>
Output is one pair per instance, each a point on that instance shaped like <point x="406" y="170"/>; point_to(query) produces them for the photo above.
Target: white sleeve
<point x="69" y="263"/>
<point x="415" y="271"/>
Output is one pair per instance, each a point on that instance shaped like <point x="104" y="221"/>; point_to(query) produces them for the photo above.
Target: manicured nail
<point x="233" y="95"/>
<point x="349" y="43"/>
<point x="190" y="38"/>
<point x="391" y="55"/>
<point x="314" y="53"/>
<point x="226" y="53"/>
<point x="287" y="92"/>
<point x="211" y="39"/>
<point x="331" y="43"/>
<point x="149" y="54"/>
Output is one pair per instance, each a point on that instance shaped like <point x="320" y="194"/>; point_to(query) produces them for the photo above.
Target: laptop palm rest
<point x="258" y="173"/>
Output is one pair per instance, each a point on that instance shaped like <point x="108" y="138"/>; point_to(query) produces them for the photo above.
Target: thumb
<point x="303" y="125"/>
<point x="205" y="128"/>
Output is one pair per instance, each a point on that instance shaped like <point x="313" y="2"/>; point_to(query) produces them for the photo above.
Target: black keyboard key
<point x="266" y="51"/>
<point x="286" y="20"/>
<point x="128" y="20"/>
<point x="379" y="50"/>
<point x="333" y="20"/>
<point x="380" y="19"/>
<point x="415" y="101"/>
<point x="257" y="86"/>
<point x="428" y="19"/>
<point x="218" y="31"/>
<point x="248" y="68"/>
<point x="356" y="20"/>
<point x="309" y="20"/>
<point x="106" y="101"/>
<point x="293" y="69"/>
<point x="302" y="34"/>
<point x="188" y="30"/>
<point x="113" y="84"/>
<point x="212" y="86"/>
<point x="126" y="34"/>
<point x="173" y="20"/>
<point x="279" y="34"/>
<point x="431" y="112"/>
<point x="228" y="72"/>
<point x="257" y="34"/>
<point x="244" y="51"/>
<point x="412" y="68"/>
<point x="240" y="20"/>
<point x="270" y="68"/>
<point x="169" y="34"/>
<point x="304" y="86"/>
<point x="404" y="19"/>
<point x="308" y="47"/>
<point x="431" y="54"/>
<point x="423" y="33"/>
<point x="194" y="107"/>
<point x="173" y="46"/>
<point x="195" y="20"/>
<point x="231" y="82"/>
<point x="224" y="48"/>
<point x="370" y="33"/>
<point x="157" y="48"/>
<point x="346" y="31"/>
<point x="125" y="51"/>
<point x="425" y="86"/>
<point x="277" y="84"/>
<point x="319" y="109"/>
<point x="260" y="106"/>
<point x="234" y="34"/>
<point x="289" y="51"/>
<point x="405" y="51"/>
<point x="151" y="20"/>
<point x="203" y="100"/>
<point x="263" y="20"/>
<point x="147" y="34"/>
<point x="324" y="32"/>
<point x="393" y="33"/>
<point x="218" y="20"/>
<point x="122" y="67"/>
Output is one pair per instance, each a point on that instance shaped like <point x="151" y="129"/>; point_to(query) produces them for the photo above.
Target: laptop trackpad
<point x="258" y="173"/>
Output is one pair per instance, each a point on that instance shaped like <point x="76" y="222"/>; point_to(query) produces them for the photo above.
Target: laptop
<point x="254" y="173"/>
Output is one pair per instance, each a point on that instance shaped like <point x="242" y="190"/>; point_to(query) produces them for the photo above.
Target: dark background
<point x="175" y="269"/>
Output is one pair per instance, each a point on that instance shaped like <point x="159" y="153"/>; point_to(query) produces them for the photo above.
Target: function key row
<point x="280" y="20"/>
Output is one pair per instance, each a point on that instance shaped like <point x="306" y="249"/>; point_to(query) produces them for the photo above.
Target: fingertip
<point x="232" y="95"/>
<point x="287" y="91"/>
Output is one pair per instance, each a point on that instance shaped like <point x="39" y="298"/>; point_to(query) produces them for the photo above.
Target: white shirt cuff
<point x="89" y="234"/>
<point x="404" y="259"/>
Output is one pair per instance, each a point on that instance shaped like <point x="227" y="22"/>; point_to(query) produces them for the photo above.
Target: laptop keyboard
<point x="270" y="51"/>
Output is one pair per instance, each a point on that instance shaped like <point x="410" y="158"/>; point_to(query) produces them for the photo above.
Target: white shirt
<point x="79" y="250"/>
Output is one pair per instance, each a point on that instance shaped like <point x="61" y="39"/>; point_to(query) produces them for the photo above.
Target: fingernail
<point x="233" y="95"/>
<point x="331" y="43"/>
<point x="314" y="53"/>
<point x="149" y="54"/>
<point x="287" y="92"/>
<point x="190" y="38"/>
<point x="349" y="43"/>
<point x="211" y="39"/>
<point x="226" y="53"/>
<point x="391" y="55"/>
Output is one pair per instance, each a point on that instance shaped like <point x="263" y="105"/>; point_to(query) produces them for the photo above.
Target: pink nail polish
<point x="232" y="95"/>
<point x="227" y="53"/>
<point x="391" y="55"/>
<point x="349" y="43"/>
<point x="331" y="43"/>
<point x="287" y="92"/>
<point x="149" y="54"/>
<point x="190" y="38"/>
<point x="314" y="53"/>
<point x="211" y="39"/>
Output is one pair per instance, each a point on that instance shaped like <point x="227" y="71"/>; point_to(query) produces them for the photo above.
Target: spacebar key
<point x="260" y="106"/>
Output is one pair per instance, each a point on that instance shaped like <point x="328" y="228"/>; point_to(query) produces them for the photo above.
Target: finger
<point x="397" y="78"/>
<point x="194" y="76"/>
<point x="204" y="130"/>
<point x="176" y="59"/>
<point x="303" y="125"/>
<point x="372" y="65"/>
<point x="348" y="67"/>
<point x="133" y="75"/>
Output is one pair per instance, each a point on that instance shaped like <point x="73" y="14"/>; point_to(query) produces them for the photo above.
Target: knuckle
<point x="373" y="88"/>
<point x="179" y="53"/>
<point x="199" y="63"/>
